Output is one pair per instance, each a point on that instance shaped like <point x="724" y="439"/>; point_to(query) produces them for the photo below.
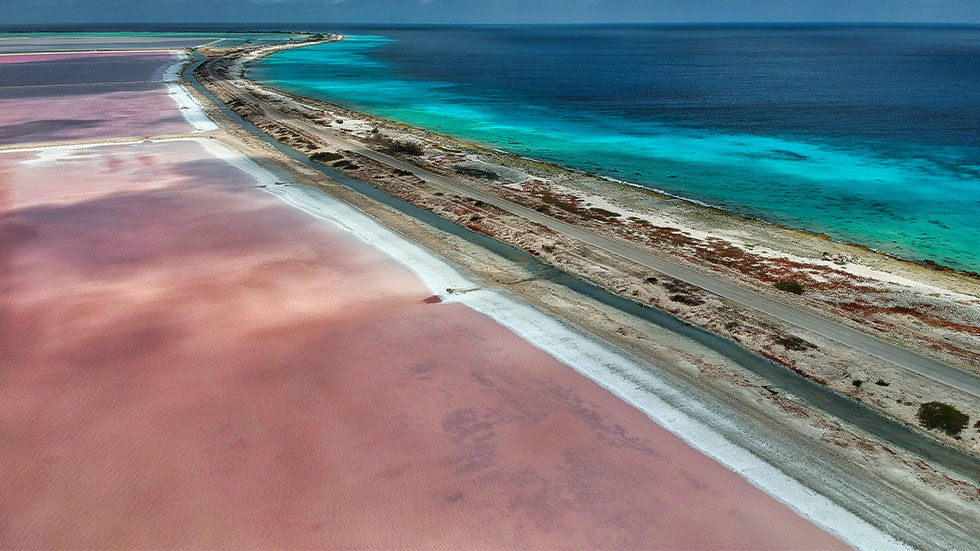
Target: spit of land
<point x="200" y="351"/>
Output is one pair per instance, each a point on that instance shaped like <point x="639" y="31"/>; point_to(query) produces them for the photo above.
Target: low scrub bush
<point x="944" y="417"/>
<point x="406" y="146"/>
<point x="789" y="286"/>
<point x="411" y="147"/>
<point x="325" y="157"/>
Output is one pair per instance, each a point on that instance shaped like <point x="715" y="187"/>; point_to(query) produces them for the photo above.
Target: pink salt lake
<point x="190" y="363"/>
<point x="46" y="98"/>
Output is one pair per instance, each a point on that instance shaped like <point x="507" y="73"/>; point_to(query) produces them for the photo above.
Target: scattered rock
<point x="687" y="299"/>
<point x="489" y="171"/>
<point x="838" y="258"/>
<point x="792" y="342"/>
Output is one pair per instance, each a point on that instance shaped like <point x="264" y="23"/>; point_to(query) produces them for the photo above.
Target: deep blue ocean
<point x="869" y="134"/>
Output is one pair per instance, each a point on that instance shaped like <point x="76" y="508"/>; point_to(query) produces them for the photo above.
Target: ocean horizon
<point x="868" y="134"/>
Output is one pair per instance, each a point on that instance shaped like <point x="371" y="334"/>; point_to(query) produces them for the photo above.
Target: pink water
<point x="48" y="98"/>
<point x="90" y="113"/>
<point x="74" y="56"/>
<point x="81" y="68"/>
<point x="190" y="363"/>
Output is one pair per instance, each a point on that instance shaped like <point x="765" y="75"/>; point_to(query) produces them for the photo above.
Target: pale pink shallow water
<point x="8" y="59"/>
<point x="49" y="115"/>
<point x="190" y="363"/>
<point x="81" y="68"/>
<point x="49" y="98"/>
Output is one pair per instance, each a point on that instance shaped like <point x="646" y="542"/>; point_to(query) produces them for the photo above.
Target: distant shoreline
<point x="924" y="244"/>
<point x="925" y="262"/>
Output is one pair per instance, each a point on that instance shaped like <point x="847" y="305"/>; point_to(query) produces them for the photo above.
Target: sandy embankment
<point x="938" y="312"/>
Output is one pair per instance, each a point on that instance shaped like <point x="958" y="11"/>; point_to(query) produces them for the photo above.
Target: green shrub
<point x="944" y="417"/>
<point x="325" y="157"/>
<point x="380" y="139"/>
<point x="406" y="146"/>
<point x="789" y="286"/>
<point x="400" y="145"/>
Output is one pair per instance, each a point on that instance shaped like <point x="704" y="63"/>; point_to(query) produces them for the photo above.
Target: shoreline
<point x="811" y="233"/>
<point x="607" y="367"/>
<point x="924" y="262"/>
<point x="809" y="429"/>
<point x="695" y="203"/>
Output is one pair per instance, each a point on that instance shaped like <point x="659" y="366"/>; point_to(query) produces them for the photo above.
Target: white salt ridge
<point x="607" y="366"/>
<point x="50" y="154"/>
<point x="190" y="109"/>
<point x="172" y="73"/>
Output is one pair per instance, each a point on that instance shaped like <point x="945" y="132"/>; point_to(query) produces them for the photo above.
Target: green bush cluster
<point x="325" y="157"/>
<point x="790" y="286"/>
<point x="405" y="146"/>
<point x="396" y="146"/>
<point x="944" y="417"/>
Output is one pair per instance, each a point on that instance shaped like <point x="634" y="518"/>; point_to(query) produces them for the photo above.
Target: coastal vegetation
<point x="397" y="145"/>
<point x="790" y="286"/>
<point x="325" y="157"/>
<point x="944" y="417"/>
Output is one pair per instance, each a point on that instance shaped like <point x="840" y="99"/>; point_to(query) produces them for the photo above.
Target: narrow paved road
<point x="897" y="355"/>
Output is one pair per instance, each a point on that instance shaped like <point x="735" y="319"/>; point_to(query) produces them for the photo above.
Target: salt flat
<point x="83" y="68"/>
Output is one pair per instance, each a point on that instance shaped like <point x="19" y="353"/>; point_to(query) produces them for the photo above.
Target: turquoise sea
<point x="867" y="134"/>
